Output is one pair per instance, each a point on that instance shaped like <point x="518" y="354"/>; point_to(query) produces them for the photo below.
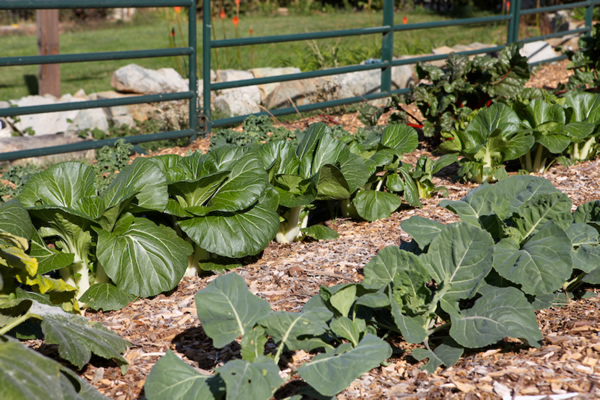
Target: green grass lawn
<point x="152" y="31"/>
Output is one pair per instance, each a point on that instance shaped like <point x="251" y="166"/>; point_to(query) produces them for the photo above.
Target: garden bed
<point x="288" y="275"/>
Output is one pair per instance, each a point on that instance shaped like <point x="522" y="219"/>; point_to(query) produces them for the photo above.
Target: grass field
<point x="152" y="31"/>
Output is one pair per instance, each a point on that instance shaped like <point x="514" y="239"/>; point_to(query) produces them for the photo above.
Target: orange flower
<point x="222" y="15"/>
<point x="237" y="2"/>
<point x="405" y="20"/>
<point x="508" y="6"/>
<point x="251" y="31"/>
<point x="236" y="20"/>
<point x="177" y="9"/>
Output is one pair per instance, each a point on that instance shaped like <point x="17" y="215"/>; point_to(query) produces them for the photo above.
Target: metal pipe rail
<point x="387" y="30"/>
<point x="190" y="95"/>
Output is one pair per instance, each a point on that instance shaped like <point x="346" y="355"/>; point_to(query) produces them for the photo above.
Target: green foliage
<point x="256" y="130"/>
<point x="27" y="375"/>
<point x="227" y="310"/>
<point x="109" y="161"/>
<point x="17" y="175"/>
<point x="467" y="84"/>
<point x="585" y="62"/>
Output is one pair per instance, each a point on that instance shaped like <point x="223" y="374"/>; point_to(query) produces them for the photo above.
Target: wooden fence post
<point x="47" y="30"/>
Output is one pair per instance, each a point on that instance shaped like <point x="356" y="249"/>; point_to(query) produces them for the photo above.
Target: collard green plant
<point x="227" y="310"/>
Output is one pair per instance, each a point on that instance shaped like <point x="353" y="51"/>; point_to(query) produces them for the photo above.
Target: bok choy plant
<point x="491" y="138"/>
<point x="222" y="203"/>
<point x="105" y="240"/>
<point x="319" y="167"/>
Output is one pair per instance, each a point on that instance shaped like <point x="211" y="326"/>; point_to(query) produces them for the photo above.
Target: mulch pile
<point x="288" y="275"/>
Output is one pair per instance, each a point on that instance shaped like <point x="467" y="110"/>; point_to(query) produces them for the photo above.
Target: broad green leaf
<point x="27" y="375"/>
<point x="253" y="343"/>
<point x="172" y="167"/>
<point x="306" y="148"/>
<point x="539" y="209"/>
<point x="77" y="337"/>
<point x="585" y="106"/>
<point x="107" y="297"/>
<point x="458" y="259"/>
<point x="400" y="137"/>
<point x="345" y="328"/>
<point x="393" y="265"/>
<point x="295" y="191"/>
<point x="413" y="328"/>
<point x="410" y="192"/>
<point x="236" y="234"/>
<point x="372" y="205"/>
<point x="48" y="260"/>
<point x="329" y="151"/>
<point x="142" y="258"/>
<point x="289" y="329"/>
<point x="593" y="277"/>
<point x="541" y="265"/>
<point x="195" y="193"/>
<point x="246" y="182"/>
<point x="253" y="381"/>
<point x="332" y="372"/>
<point x="519" y="189"/>
<point x="497" y="116"/>
<point x="171" y="378"/>
<point x="499" y="313"/>
<point x="142" y="179"/>
<point x="227" y="309"/>
<point x="354" y="170"/>
<point x="423" y="230"/>
<point x="320" y="232"/>
<point x="65" y="185"/>
<point x="332" y="184"/>
<point x="15" y="219"/>
<point x="586" y="247"/>
<point x="343" y="299"/>
<point x="588" y="212"/>
<point x="447" y="353"/>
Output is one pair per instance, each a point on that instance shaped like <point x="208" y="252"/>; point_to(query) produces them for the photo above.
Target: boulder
<point x="538" y="51"/>
<point x="135" y="79"/>
<point x="366" y="82"/>
<point x="238" y="101"/>
<point x="46" y="123"/>
<point x="293" y="93"/>
<point x="89" y="119"/>
<point x="267" y="89"/>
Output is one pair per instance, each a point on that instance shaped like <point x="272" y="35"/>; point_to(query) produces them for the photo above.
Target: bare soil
<point x="288" y="275"/>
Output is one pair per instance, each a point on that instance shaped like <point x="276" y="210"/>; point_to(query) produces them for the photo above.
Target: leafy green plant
<point x="228" y="310"/>
<point x="90" y="239"/>
<point x="424" y="170"/>
<point x="222" y="203"/>
<point x="490" y="139"/>
<point x="255" y="130"/>
<point x="16" y="176"/>
<point x="467" y="84"/>
<point x="27" y="375"/>
<point x="319" y="167"/>
<point x="585" y="62"/>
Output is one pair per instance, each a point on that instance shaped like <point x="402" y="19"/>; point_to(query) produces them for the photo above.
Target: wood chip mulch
<point x="288" y="275"/>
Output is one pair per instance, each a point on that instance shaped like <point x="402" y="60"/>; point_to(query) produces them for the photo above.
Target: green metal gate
<point x="191" y="95"/>
<point x="200" y="119"/>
